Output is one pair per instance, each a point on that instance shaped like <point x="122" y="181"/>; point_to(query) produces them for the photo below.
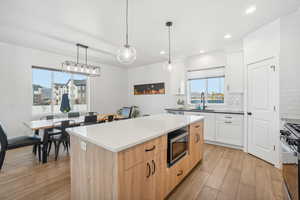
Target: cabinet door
<point x="229" y="132"/>
<point x="196" y="143"/>
<point x="138" y="183"/>
<point x="235" y="72"/>
<point x="145" y="180"/>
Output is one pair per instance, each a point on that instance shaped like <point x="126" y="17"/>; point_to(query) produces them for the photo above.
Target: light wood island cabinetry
<point x="140" y="172"/>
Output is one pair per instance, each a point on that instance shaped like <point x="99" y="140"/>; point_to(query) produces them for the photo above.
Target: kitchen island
<point x="127" y="159"/>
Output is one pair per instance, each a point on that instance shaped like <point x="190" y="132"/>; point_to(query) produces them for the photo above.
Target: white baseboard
<point x="224" y="145"/>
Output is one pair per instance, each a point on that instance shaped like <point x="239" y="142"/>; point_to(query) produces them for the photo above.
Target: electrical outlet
<point x="83" y="146"/>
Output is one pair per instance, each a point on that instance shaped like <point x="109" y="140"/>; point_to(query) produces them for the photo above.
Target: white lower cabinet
<point x="222" y="128"/>
<point x="229" y="132"/>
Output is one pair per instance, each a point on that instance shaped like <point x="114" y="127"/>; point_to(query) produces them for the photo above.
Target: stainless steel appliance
<point x="290" y="144"/>
<point x="177" y="145"/>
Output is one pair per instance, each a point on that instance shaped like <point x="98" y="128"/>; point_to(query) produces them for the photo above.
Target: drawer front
<point x="144" y="151"/>
<point x="176" y="173"/>
<point x="229" y="117"/>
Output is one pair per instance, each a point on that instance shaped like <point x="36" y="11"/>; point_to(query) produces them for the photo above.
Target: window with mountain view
<point x="213" y="89"/>
<point x="48" y="87"/>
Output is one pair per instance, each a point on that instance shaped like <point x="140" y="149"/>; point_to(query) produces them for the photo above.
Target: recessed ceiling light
<point x="227" y="36"/>
<point x="162" y="52"/>
<point x="202" y="51"/>
<point x="250" y="10"/>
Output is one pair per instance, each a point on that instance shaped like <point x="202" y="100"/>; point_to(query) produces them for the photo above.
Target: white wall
<point x="108" y="92"/>
<point x="151" y="104"/>
<point x="290" y="66"/>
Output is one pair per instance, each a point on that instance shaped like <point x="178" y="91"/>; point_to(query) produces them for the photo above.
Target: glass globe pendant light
<point x="127" y="53"/>
<point x="169" y="66"/>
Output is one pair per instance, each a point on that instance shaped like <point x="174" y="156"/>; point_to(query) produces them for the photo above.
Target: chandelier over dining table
<point x="81" y="68"/>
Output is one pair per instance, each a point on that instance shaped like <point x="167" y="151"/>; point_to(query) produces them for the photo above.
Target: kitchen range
<point x="290" y="146"/>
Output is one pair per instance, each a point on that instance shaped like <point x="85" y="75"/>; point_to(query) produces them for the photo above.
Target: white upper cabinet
<point x="235" y="73"/>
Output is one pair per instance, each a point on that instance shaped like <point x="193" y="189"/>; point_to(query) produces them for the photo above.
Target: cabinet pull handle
<point x="150" y="149"/>
<point x="228" y="117"/>
<point x="153" y="163"/>
<point x="197" y="138"/>
<point x="149" y="170"/>
<point x="228" y="122"/>
<point x="180" y="173"/>
<point x="197" y="126"/>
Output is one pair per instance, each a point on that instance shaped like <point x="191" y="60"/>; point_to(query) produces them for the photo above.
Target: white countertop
<point x="120" y="135"/>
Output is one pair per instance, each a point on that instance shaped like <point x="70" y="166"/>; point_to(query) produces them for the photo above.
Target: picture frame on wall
<point x="149" y="89"/>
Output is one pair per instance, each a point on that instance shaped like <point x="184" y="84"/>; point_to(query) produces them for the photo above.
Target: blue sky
<point x="43" y="77"/>
<point x="213" y="85"/>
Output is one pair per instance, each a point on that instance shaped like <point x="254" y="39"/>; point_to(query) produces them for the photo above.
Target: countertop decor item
<point x="126" y="54"/>
<point x="135" y="112"/>
<point x="81" y="68"/>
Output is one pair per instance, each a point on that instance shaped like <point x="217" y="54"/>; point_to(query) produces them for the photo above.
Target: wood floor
<point x="224" y="174"/>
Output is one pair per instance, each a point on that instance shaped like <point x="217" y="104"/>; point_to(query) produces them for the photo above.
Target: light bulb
<point x="87" y="70"/>
<point x="170" y="66"/>
<point x="68" y="68"/>
<point x="81" y="69"/>
<point x="94" y="71"/>
<point x="75" y="68"/>
<point x="126" y="54"/>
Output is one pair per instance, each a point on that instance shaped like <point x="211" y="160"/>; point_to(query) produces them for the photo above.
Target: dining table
<point x="44" y="124"/>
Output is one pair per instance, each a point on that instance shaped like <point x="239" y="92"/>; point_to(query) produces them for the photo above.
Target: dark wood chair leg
<point x="34" y="149"/>
<point x="49" y="148"/>
<point x="67" y="146"/>
<point x="36" y="132"/>
<point x="57" y="149"/>
<point x="40" y="153"/>
<point x="2" y="156"/>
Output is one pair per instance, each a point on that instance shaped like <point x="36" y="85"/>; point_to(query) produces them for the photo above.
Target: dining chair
<point x="89" y="120"/>
<point x="59" y="136"/>
<point x="73" y="114"/>
<point x="92" y="113"/>
<point x="17" y="142"/>
<point x="47" y="117"/>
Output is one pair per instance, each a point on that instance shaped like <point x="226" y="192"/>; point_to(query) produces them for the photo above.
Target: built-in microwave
<point x="177" y="145"/>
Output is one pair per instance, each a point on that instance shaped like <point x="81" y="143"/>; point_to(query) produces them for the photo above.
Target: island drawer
<point x="176" y="173"/>
<point x="144" y="151"/>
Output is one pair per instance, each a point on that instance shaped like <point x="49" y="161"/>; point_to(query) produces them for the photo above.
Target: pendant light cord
<point x="169" y="44"/>
<point x="77" y="54"/>
<point x="86" y="56"/>
<point x="126" y="22"/>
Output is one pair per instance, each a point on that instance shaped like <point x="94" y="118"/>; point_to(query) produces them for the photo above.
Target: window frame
<point x="88" y="84"/>
<point x="206" y="90"/>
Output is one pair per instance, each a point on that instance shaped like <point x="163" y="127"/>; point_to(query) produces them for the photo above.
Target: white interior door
<point x="261" y="103"/>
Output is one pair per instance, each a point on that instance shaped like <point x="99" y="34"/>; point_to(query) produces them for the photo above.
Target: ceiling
<point x="198" y="24"/>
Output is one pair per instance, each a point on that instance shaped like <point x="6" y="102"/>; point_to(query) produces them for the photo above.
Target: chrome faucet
<point x="202" y="96"/>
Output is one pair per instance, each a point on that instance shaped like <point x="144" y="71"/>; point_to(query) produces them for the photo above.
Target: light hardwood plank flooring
<point x="224" y="174"/>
